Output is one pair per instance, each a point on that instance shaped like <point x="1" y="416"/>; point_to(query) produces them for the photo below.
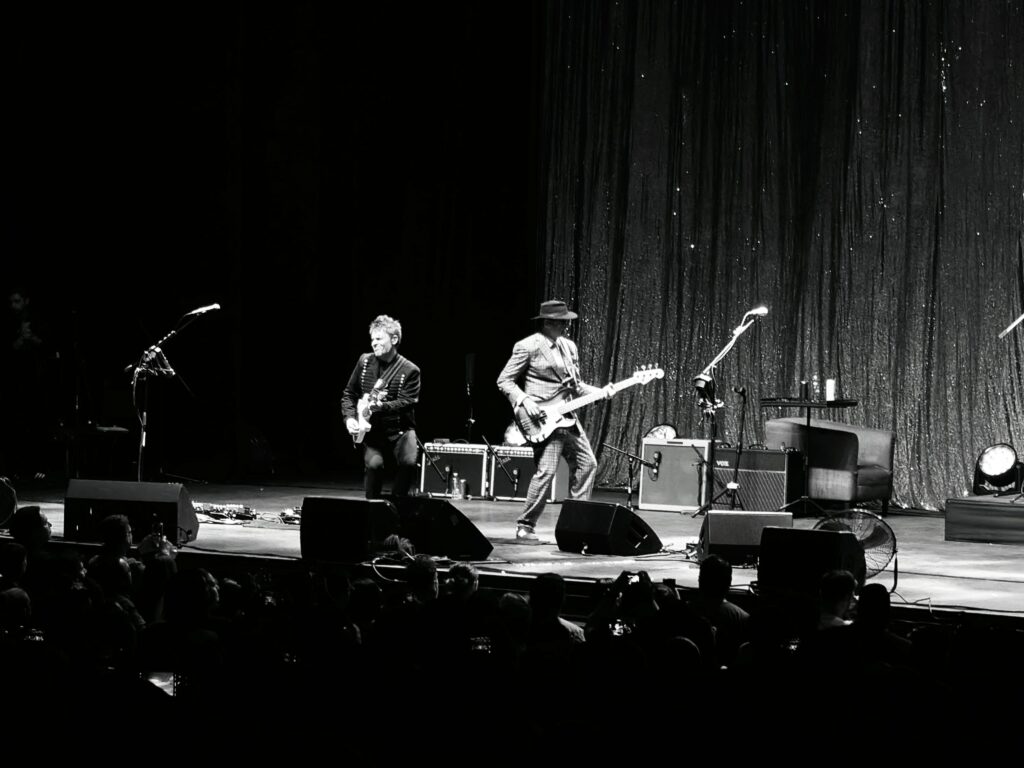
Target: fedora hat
<point x="555" y="310"/>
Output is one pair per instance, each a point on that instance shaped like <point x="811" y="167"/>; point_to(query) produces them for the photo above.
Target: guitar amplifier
<point x="468" y="460"/>
<point x="678" y="485"/>
<point x="518" y="462"/>
<point x="767" y="479"/>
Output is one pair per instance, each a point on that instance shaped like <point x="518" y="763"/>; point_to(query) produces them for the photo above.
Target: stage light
<point x="661" y="432"/>
<point x="997" y="469"/>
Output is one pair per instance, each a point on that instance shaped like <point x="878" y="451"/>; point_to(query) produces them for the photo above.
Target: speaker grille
<point x="768" y="479"/>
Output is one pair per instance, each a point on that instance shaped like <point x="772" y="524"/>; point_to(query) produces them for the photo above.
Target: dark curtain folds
<point x="856" y="167"/>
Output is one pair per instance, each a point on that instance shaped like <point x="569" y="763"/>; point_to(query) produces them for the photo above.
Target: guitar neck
<point x="579" y="402"/>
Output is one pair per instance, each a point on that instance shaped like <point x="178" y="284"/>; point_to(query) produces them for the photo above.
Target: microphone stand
<point x="470" y="421"/>
<point x="704" y="383"/>
<point x="1011" y="326"/>
<point x="733" y="487"/>
<point x="513" y="478"/>
<point x="440" y="474"/>
<point x="631" y="458"/>
<point x="152" y="362"/>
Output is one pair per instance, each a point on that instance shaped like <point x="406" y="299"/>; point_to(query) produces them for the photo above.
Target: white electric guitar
<point x="553" y="410"/>
<point x="372" y="398"/>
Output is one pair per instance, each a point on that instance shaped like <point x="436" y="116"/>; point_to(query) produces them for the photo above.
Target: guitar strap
<point x="388" y="377"/>
<point x="570" y="369"/>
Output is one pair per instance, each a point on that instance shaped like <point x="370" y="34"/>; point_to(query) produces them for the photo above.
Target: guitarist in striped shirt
<point x="542" y="366"/>
<point x="393" y="385"/>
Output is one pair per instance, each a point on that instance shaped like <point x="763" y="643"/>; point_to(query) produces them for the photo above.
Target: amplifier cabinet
<point x="767" y="479"/>
<point x="518" y="463"/>
<point x="678" y="484"/>
<point x="468" y="460"/>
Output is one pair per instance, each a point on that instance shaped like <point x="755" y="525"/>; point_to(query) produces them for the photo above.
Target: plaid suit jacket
<point x="535" y="370"/>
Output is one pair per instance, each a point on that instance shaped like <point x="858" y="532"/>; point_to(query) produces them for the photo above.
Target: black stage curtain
<point x="856" y="167"/>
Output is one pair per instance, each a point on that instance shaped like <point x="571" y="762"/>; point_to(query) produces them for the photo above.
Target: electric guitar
<point x="372" y="398"/>
<point x="554" y="409"/>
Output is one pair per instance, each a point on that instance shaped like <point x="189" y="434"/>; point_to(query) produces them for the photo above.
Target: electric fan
<point x="873" y="533"/>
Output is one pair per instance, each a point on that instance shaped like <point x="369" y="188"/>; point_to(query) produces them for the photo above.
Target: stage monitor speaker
<point x="87" y="502"/>
<point x="437" y="527"/>
<point x="677" y="485"/>
<point x="736" y="535"/>
<point x="767" y="479"/>
<point x="793" y="560"/>
<point x="339" y="530"/>
<point x="597" y="528"/>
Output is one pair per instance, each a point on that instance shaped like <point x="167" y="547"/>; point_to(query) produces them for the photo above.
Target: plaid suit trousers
<point x="574" y="445"/>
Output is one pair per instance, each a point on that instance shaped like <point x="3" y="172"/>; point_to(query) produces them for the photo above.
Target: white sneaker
<point x="526" y="533"/>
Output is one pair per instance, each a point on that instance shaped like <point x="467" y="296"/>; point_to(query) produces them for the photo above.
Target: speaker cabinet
<point x="443" y="460"/>
<point x="767" y="479"/>
<point x="342" y="530"/>
<point x="437" y="527"/>
<point x="597" y="528"/>
<point x="87" y="502"/>
<point x="736" y="536"/>
<point x="793" y="560"/>
<point x="518" y="462"/>
<point x="678" y="483"/>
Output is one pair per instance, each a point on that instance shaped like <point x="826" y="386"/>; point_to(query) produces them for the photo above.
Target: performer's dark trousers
<point x="401" y="450"/>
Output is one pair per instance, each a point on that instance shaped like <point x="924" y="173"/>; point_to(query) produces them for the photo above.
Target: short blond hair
<point x="389" y="325"/>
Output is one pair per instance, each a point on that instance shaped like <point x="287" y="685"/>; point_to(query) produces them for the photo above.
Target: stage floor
<point x="933" y="573"/>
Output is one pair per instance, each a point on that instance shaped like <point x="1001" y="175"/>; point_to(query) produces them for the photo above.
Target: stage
<point x="933" y="573"/>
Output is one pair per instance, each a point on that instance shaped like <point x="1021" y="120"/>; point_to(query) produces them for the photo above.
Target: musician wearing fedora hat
<point x="543" y="366"/>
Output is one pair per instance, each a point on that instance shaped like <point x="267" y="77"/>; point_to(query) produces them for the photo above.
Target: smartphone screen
<point x="163" y="680"/>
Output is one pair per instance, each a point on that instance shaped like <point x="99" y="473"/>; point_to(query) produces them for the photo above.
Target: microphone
<point x="759" y="311"/>
<point x="202" y="310"/>
<point x="165" y="364"/>
<point x="742" y="391"/>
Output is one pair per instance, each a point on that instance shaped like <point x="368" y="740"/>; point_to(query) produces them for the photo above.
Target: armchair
<point x="844" y="462"/>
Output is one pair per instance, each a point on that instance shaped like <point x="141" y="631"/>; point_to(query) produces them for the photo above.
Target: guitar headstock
<point x="647" y="373"/>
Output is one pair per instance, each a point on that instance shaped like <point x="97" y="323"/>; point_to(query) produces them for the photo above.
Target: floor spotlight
<point x="997" y="470"/>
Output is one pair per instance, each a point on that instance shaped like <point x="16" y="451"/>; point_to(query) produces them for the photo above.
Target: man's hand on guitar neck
<point x="609" y="391"/>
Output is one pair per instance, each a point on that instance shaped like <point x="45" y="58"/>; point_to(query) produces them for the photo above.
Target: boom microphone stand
<point x="443" y="475"/>
<point x="153" y="362"/>
<point x="632" y="460"/>
<point x="470" y="421"/>
<point x="704" y="383"/>
<point x="732" y="488"/>
<point x="513" y="478"/>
